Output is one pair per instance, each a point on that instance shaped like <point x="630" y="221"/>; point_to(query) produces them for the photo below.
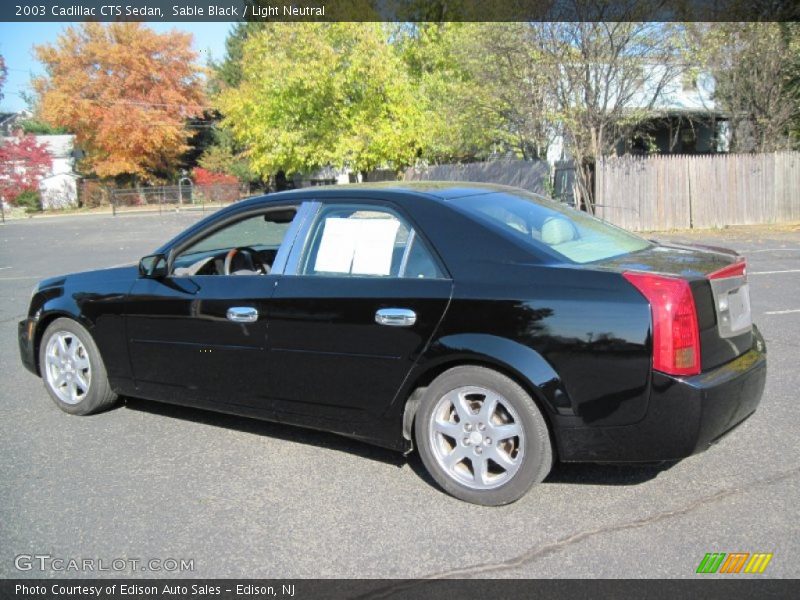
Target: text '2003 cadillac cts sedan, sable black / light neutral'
<point x="493" y="330"/>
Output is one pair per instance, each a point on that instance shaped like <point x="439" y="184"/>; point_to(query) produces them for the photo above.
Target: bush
<point x="30" y="200"/>
<point x="205" y="177"/>
<point x="93" y="194"/>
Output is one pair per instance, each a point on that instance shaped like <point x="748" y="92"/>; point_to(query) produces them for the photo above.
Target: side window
<point x="245" y="247"/>
<point x="358" y="241"/>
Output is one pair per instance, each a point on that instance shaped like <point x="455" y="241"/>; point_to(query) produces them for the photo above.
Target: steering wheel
<point x="254" y="257"/>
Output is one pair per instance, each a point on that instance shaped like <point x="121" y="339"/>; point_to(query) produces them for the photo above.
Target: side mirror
<point x="153" y="266"/>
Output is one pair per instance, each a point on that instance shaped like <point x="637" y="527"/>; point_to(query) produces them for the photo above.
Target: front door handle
<point x="242" y="314"/>
<point x="396" y="317"/>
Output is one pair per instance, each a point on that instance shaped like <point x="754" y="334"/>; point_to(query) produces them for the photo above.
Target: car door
<point x="362" y="297"/>
<point x="199" y="337"/>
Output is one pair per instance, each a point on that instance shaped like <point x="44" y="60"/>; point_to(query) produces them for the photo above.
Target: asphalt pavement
<point x="241" y="498"/>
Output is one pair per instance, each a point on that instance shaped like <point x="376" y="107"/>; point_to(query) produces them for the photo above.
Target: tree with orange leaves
<point x="126" y="91"/>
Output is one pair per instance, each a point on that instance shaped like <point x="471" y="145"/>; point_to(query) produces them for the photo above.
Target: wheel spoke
<point x="81" y="363"/>
<point x="53" y="361"/>
<point x="480" y="469"/>
<point x="74" y="349"/>
<point x="504" y="432"/>
<point x="73" y="390"/>
<point x="59" y="380"/>
<point x="451" y="430"/>
<point x="487" y="408"/>
<point x="82" y="381"/>
<point x="455" y="457"/>
<point x="63" y="351"/>
<point x="502" y="459"/>
<point x="462" y="407"/>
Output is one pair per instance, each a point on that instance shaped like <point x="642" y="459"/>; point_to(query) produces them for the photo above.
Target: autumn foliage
<point x="205" y="177"/>
<point x="23" y="164"/>
<point x="126" y="92"/>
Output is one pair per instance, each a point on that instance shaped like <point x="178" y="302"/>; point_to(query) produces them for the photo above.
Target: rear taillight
<point x="737" y="269"/>
<point x="676" y="336"/>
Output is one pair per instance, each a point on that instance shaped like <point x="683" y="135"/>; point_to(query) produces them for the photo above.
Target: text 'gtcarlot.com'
<point x="47" y="562"/>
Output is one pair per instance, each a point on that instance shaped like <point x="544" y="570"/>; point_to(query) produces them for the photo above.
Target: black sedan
<point x="493" y="330"/>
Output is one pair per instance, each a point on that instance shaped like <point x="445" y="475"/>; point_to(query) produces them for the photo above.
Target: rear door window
<point x="361" y="241"/>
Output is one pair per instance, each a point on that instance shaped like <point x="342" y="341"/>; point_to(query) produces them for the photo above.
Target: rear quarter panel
<point x="576" y="338"/>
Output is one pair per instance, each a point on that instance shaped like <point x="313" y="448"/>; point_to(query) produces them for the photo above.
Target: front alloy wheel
<point x="67" y="367"/>
<point x="73" y="370"/>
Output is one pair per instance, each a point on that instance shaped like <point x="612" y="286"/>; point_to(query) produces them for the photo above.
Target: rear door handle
<point x="396" y="317"/>
<point x="242" y="314"/>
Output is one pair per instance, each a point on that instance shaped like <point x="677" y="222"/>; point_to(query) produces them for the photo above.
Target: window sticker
<point x="357" y="246"/>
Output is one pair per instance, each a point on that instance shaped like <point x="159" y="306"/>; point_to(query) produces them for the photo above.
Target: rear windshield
<point x="554" y="226"/>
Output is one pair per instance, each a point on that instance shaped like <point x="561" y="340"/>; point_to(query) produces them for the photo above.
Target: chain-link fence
<point x="175" y="197"/>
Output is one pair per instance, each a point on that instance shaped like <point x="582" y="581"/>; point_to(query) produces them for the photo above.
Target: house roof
<point x="8" y="118"/>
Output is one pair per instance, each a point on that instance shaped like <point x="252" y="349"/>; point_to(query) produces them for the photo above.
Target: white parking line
<point x="19" y="278"/>
<point x="773" y="272"/>
<point x="782" y="312"/>
<point x="772" y="250"/>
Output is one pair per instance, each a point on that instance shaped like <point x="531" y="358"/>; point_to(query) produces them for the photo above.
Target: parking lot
<point x="245" y="498"/>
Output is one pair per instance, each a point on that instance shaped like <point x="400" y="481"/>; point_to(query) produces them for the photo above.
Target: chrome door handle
<point x="396" y="317"/>
<point x="242" y="314"/>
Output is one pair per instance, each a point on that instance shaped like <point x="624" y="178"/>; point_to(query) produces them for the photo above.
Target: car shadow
<point x="607" y="474"/>
<point x="280" y="431"/>
<point x="586" y="474"/>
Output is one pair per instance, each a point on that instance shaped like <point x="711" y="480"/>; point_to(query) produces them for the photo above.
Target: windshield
<point x="569" y="233"/>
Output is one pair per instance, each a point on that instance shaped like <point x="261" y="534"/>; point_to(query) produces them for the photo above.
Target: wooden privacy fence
<point x="681" y="192"/>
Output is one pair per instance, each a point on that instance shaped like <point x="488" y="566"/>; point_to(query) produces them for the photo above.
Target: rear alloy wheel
<point x="72" y="369"/>
<point x="481" y="437"/>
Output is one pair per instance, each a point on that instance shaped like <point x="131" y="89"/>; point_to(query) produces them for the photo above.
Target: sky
<point x="17" y="41"/>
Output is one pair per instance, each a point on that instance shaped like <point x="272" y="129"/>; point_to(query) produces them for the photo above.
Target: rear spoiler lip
<point x="706" y="248"/>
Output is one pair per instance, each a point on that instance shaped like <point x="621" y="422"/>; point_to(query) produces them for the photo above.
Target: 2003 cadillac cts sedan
<point x="492" y="329"/>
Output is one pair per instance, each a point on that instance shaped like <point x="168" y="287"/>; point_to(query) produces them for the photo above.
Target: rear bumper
<point x="26" y="330"/>
<point x="685" y="415"/>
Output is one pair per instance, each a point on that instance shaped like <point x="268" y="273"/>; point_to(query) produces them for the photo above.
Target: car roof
<point x="433" y="190"/>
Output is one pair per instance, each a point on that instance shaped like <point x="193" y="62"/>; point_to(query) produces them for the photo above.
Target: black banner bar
<point x="398" y="10"/>
<point x="708" y="588"/>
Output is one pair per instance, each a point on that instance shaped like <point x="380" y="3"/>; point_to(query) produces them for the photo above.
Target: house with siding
<point x="59" y="188"/>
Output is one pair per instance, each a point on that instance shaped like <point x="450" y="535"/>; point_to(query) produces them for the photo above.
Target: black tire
<point x="534" y="463"/>
<point x="99" y="395"/>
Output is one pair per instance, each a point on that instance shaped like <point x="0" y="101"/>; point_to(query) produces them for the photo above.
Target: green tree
<point x="755" y="68"/>
<point x="450" y="92"/>
<point x="604" y="79"/>
<point x="223" y="157"/>
<point x="483" y="87"/>
<point x="3" y="72"/>
<point x="319" y="94"/>
<point x="39" y="127"/>
<point x="228" y="72"/>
